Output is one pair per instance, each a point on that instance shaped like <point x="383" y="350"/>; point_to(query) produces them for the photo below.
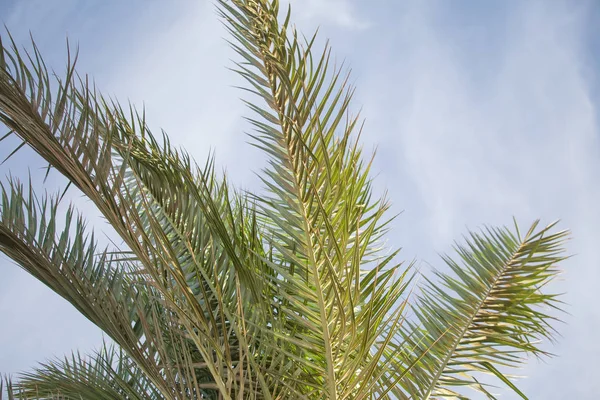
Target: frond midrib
<point x="306" y="222"/>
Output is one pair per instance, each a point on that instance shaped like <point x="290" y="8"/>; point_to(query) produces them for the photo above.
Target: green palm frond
<point x="107" y="374"/>
<point x="102" y="285"/>
<point x="99" y="286"/>
<point x="488" y="315"/>
<point x="325" y="220"/>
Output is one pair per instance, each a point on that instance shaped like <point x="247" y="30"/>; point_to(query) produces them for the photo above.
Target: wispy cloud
<point x="523" y="140"/>
<point x="475" y="148"/>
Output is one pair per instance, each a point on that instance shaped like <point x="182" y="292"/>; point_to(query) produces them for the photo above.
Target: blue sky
<point x="480" y="111"/>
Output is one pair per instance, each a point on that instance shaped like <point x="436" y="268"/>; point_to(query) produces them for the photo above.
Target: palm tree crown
<point x="284" y="294"/>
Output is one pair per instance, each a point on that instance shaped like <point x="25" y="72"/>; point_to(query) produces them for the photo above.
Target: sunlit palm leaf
<point x="488" y="315"/>
<point x="325" y="220"/>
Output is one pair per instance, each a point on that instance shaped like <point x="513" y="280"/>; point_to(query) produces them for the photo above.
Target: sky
<point x="480" y="111"/>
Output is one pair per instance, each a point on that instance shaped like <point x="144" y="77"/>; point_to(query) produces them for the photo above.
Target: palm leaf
<point x="488" y="315"/>
<point x="107" y="374"/>
<point x="339" y="288"/>
<point x="100" y="287"/>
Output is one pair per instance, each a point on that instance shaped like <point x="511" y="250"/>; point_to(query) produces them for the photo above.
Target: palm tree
<point x="288" y="293"/>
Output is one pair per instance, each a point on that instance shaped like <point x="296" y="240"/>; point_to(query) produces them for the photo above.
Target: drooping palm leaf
<point x="110" y="158"/>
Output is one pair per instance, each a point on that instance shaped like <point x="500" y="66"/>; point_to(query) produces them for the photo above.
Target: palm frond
<point x="326" y="224"/>
<point x="103" y="286"/>
<point x="10" y="393"/>
<point x="486" y="317"/>
<point x="177" y="234"/>
<point x="106" y="374"/>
